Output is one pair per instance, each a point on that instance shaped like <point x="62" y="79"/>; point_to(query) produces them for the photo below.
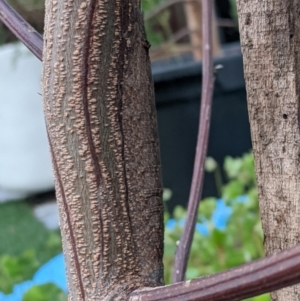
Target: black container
<point x="177" y="90"/>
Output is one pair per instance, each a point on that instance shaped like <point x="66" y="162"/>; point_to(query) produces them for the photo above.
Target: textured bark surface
<point x="270" y="39"/>
<point x="101" y="121"/>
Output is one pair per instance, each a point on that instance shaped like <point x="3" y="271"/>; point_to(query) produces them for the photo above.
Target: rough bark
<point x="101" y="122"/>
<point x="270" y="39"/>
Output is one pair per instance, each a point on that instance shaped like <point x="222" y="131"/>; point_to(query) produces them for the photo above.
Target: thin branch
<point x="249" y="280"/>
<point x="183" y="250"/>
<point x="22" y="30"/>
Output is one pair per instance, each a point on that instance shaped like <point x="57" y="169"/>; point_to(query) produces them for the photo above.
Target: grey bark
<point x="270" y="40"/>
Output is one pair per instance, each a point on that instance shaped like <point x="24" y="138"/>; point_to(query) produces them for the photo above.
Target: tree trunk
<point x="270" y="39"/>
<point x="101" y="122"/>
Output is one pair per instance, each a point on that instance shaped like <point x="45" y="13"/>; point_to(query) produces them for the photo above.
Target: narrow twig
<point x="249" y="280"/>
<point x="22" y="30"/>
<point x="183" y="250"/>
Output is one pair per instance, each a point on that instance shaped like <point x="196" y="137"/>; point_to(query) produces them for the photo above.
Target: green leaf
<point x="232" y="166"/>
<point x="242" y="239"/>
<point x="218" y="237"/>
<point x="232" y="190"/>
<point x="15" y="269"/>
<point x="206" y="209"/>
<point x="45" y="292"/>
<point x="179" y="213"/>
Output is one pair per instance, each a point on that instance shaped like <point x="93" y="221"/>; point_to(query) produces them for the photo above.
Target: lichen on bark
<point x="101" y="122"/>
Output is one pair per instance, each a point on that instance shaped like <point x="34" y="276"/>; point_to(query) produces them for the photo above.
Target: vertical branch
<point x="27" y="34"/>
<point x="101" y="121"/>
<point x="202" y="142"/>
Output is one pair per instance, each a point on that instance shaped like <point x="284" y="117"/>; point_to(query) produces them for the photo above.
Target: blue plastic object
<point x="54" y="270"/>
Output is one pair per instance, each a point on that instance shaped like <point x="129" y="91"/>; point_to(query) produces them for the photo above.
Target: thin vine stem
<point x="21" y="29"/>
<point x="246" y="281"/>
<point x="183" y="249"/>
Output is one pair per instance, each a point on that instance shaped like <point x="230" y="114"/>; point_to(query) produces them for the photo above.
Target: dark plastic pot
<point x="177" y="89"/>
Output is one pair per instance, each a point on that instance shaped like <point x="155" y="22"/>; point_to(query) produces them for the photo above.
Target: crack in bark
<point x="85" y="71"/>
<point x="67" y="211"/>
<point x="124" y="12"/>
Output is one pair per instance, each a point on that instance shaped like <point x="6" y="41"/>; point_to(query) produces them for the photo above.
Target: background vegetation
<point x="228" y="233"/>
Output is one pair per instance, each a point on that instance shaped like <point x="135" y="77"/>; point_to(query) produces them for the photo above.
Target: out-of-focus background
<point x="29" y="235"/>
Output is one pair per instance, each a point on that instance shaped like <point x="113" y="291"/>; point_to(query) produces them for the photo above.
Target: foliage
<point x="213" y="250"/>
<point x="225" y="246"/>
<point x="45" y="292"/>
<point x="16" y="269"/>
<point x="20" y="231"/>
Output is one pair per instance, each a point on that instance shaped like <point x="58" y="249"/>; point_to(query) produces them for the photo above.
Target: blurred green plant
<point x="239" y="242"/>
<point x="157" y="28"/>
<point x="20" y="230"/>
<point x="15" y="269"/>
<point x="18" y="268"/>
<point x="45" y="292"/>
